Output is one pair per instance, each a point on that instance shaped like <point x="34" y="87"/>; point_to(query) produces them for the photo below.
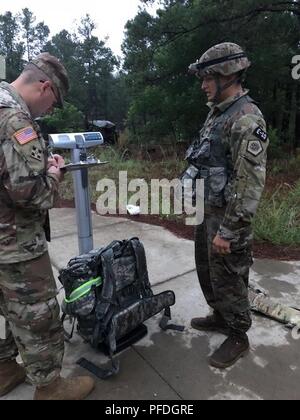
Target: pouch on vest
<point x="200" y="150"/>
<point x="188" y="185"/>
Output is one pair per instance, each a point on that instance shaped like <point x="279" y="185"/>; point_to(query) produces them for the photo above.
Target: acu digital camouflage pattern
<point x="123" y="302"/>
<point x="232" y="149"/>
<point x="33" y="327"/>
<point x="139" y="312"/>
<point x="26" y="191"/>
<point x="80" y="270"/>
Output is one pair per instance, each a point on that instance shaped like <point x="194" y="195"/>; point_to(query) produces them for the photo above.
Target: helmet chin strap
<point x="221" y="89"/>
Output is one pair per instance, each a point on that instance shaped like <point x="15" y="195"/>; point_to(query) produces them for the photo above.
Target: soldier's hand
<point x="59" y="160"/>
<point x="56" y="171"/>
<point x="56" y="160"/>
<point x="220" y="246"/>
<point x="51" y="162"/>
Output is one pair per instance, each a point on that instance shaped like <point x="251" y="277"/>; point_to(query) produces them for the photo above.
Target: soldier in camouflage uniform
<point x="28" y="189"/>
<point x="230" y="155"/>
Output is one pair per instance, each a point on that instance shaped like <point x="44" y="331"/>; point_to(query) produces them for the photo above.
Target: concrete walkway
<point x="173" y="366"/>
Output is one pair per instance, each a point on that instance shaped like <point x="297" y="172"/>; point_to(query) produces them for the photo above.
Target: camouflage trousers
<point x="224" y="279"/>
<point x="32" y="319"/>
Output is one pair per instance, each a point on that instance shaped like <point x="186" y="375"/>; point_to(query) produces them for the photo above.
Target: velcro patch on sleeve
<point x="255" y="147"/>
<point x="25" y="135"/>
<point x="261" y="134"/>
<point x="36" y="153"/>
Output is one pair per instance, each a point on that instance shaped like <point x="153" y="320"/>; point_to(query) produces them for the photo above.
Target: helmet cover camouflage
<point x="225" y="59"/>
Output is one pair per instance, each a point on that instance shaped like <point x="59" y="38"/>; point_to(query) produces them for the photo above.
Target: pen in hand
<point x="56" y="160"/>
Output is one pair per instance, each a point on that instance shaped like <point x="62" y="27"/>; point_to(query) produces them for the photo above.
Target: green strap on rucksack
<point x="84" y="290"/>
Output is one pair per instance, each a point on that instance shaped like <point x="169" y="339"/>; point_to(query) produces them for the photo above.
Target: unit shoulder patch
<point x="255" y="147"/>
<point x="25" y="135"/>
<point x="261" y="134"/>
<point x="36" y="153"/>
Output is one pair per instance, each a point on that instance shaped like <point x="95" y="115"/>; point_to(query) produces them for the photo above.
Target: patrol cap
<point x="55" y="72"/>
<point x="226" y="59"/>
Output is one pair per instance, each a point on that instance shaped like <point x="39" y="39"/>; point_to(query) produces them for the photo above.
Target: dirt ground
<point x="263" y="250"/>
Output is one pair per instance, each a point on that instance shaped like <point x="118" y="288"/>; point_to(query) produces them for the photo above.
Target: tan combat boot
<point x="11" y="375"/>
<point x="71" y="389"/>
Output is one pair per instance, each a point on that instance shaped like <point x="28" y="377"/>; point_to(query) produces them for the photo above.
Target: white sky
<point x="109" y="15"/>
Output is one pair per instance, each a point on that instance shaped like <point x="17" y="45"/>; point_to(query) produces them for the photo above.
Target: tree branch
<point x="280" y="7"/>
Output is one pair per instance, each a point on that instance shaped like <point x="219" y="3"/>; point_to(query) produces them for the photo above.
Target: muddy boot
<point x="71" y="389"/>
<point x="211" y="323"/>
<point x="11" y="375"/>
<point x="234" y="348"/>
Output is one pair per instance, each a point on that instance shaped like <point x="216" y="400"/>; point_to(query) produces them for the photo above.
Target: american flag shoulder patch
<point x="25" y="135"/>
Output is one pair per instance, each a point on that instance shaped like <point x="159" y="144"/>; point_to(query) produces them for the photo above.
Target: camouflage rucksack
<point x="109" y="293"/>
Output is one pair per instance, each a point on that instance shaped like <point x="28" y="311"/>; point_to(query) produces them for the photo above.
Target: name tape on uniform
<point x="261" y="134"/>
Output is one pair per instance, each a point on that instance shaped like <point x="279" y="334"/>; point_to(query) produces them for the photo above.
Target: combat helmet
<point x="224" y="59"/>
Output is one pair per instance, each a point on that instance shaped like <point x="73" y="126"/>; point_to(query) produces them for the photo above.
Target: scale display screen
<point x="92" y="137"/>
<point x="76" y="140"/>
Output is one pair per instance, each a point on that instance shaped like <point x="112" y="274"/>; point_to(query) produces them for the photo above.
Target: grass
<point x="278" y="217"/>
<point x="136" y="169"/>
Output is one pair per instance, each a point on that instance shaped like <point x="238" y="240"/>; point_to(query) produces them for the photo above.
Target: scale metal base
<point x="82" y="165"/>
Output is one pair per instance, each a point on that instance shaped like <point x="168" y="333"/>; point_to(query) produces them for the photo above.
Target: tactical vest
<point x="210" y="156"/>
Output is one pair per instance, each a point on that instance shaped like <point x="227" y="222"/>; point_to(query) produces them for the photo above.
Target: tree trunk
<point x="293" y="117"/>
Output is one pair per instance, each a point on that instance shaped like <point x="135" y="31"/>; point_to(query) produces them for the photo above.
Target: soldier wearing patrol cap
<point x="230" y="155"/>
<point x="28" y="189"/>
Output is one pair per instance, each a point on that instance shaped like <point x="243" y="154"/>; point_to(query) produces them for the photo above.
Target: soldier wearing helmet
<point x="230" y="155"/>
<point x="227" y="61"/>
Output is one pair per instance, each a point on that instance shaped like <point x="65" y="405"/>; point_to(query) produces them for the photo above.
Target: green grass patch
<point x="278" y="218"/>
<point x="136" y="169"/>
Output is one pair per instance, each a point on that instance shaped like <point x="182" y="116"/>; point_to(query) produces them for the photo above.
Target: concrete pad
<point x="174" y="366"/>
<point x="270" y="372"/>
<point x="64" y="223"/>
<point x="280" y="279"/>
<point x="167" y="255"/>
<point x="171" y="365"/>
<point x="135" y="381"/>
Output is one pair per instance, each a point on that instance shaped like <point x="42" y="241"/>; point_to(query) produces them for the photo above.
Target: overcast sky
<point x="109" y="15"/>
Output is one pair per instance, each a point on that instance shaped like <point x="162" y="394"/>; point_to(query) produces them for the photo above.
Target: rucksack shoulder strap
<point x="141" y="264"/>
<point x="106" y="302"/>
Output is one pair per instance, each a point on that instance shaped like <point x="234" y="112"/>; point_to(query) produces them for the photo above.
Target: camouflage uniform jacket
<point x="232" y="155"/>
<point x="26" y="191"/>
